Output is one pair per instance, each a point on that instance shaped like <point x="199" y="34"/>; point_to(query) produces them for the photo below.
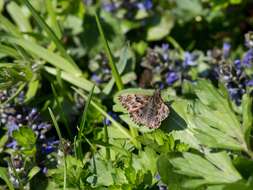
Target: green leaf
<point x="168" y="176"/>
<point x="242" y="185"/>
<point x="18" y="16"/>
<point x="78" y="81"/>
<point x="107" y="174"/>
<point x="115" y="72"/>
<point x="145" y="161"/>
<point x="9" y="26"/>
<point x="247" y="117"/>
<point x="51" y="57"/>
<point x="25" y="137"/>
<point x="8" y="51"/>
<point x="33" y="172"/>
<point x="4" y="176"/>
<point x="32" y="90"/>
<point x="180" y="124"/>
<point x="187" y="10"/>
<point x="160" y="26"/>
<point x="3" y="140"/>
<point x="120" y="66"/>
<point x="214" y="168"/>
<point x="51" y="35"/>
<point x="213" y="121"/>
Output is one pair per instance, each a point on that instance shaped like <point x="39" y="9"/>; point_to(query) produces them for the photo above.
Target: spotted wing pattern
<point x="145" y="110"/>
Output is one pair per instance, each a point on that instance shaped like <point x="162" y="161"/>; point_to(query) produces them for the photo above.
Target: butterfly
<point x="145" y="110"/>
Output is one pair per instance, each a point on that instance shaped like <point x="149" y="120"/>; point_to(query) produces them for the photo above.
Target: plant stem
<point x="108" y="155"/>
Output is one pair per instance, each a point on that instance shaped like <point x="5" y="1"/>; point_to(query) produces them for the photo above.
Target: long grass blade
<point x="55" y="124"/>
<point x="112" y="65"/>
<point x="50" y="57"/>
<point x="80" y="82"/>
<point x="50" y="32"/>
<point x="82" y="124"/>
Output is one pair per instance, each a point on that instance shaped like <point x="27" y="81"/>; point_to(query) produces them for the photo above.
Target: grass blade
<point x="18" y="16"/>
<point x="55" y="124"/>
<point x="5" y="177"/>
<point x="83" y="120"/>
<point x="50" y="57"/>
<point x="9" y="27"/>
<point x="59" y="105"/>
<point x="112" y="65"/>
<point x="80" y="82"/>
<point x="84" y="116"/>
<point x="53" y="20"/>
<point x="50" y="32"/>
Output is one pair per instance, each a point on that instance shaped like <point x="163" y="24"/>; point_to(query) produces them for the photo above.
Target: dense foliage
<point x="64" y="64"/>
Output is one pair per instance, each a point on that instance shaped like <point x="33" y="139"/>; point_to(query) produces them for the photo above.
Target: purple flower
<point x="248" y="58"/>
<point x="44" y="126"/>
<point x="161" y="86"/>
<point x="226" y="49"/>
<point x="12" y="126"/>
<point x="106" y="121"/>
<point x="13" y="145"/>
<point x="44" y="170"/>
<point x="237" y="64"/>
<point x="158" y="177"/>
<point x="109" y="7"/>
<point x="49" y="146"/>
<point x="249" y="83"/>
<point x="235" y="94"/>
<point x="165" y="48"/>
<point x="188" y="59"/>
<point x="96" y="78"/>
<point x="162" y="187"/>
<point x="171" y="77"/>
<point x="145" y="5"/>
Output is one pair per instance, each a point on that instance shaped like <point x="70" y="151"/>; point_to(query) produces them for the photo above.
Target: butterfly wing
<point x="134" y="105"/>
<point x="145" y="110"/>
<point x="162" y="112"/>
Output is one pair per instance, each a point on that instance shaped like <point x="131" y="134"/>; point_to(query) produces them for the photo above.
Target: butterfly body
<point x="145" y="110"/>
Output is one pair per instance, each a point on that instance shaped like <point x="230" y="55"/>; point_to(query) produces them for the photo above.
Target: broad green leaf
<point x="107" y="174"/>
<point x="145" y="161"/>
<point x="160" y="26"/>
<point x="242" y="185"/>
<point x="213" y="120"/>
<point x="214" y="168"/>
<point x="182" y="128"/>
<point x="187" y="10"/>
<point x="5" y="177"/>
<point x="25" y="137"/>
<point x="168" y="176"/>
<point x="247" y="117"/>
